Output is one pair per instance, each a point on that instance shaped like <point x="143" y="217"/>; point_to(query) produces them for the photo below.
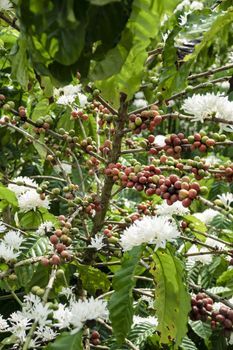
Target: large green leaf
<point x="121" y="301"/>
<point x="67" y="341"/>
<point x="224" y="19"/>
<point x="126" y="60"/>
<point x="202" y="329"/>
<point x="172" y="298"/>
<point x="93" y="279"/>
<point x="20" y="63"/>
<point x="34" y="246"/>
<point x="8" y="196"/>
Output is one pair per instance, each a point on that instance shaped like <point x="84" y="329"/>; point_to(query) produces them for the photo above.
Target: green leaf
<point x="223" y="20"/>
<point x="172" y="298"/>
<point x="188" y="344"/>
<point x="225" y="277"/>
<point x="40" y="109"/>
<point x="8" y="196"/>
<point x="31" y="219"/>
<point x="34" y="246"/>
<point x="121" y="301"/>
<point x="66" y="341"/>
<point x="202" y="329"/>
<point x="20" y="63"/>
<point x="93" y="279"/>
<point x="127" y="59"/>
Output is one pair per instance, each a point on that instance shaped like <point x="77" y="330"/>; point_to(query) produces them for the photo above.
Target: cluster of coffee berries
<point x="150" y="179"/>
<point x="202" y="309"/>
<point x="225" y="172"/>
<point x="146" y="120"/>
<point x="201" y="142"/>
<point x="43" y="124"/>
<point x="79" y="114"/>
<point x="146" y="208"/>
<point x="224" y="319"/>
<point x="61" y="241"/>
<point x="90" y="204"/>
<point x="88" y="144"/>
<point x="95" y="338"/>
<point x="92" y="164"/>
<point x="174" y="144"/>
<point x="106" y="147"/>
<point x="202" y="305"/>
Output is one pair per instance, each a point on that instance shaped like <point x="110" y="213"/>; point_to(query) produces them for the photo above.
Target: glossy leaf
<point x="93" y="279"/>
<point x="66" y="341"/>
<point x="172" y="300"/>
<point x="8" y="196"/>
<point x="121" y="301"/>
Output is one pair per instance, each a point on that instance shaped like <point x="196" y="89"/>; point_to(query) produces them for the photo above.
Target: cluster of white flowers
<point x="67" y="95"/>
<point x="10" y="245"/>
<point x="175" y="209"/>
<point x="204" y="258"/>
<point x="207" y="215"/>
<point x="140" y="100"/>
<point x="28" y="198"/>
<point x="226" y="198"/>
<point x="152" y="230"/>
<point x="73" y="315"/>
<point x="44" y="228"/>
<point x="192" y="5"/>
<point x="207" y="106"/>
<point x="97" y="242"/>
<point x="78" y="312"/>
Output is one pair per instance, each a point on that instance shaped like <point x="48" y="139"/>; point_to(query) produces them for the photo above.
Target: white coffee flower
<point x="160" y="140"/>
<point x="44" y="228"/>
<point x="3" y="324"/>
<point x="183" y="18"/>
<point x="226" y="198"/>
<point x="21" y="189"/>
<point x="140" y="103"/>
<point x="180" y="6"/>
<point x="97" y="242"/>
<point x="13" y="239"/>
<point x="207" y="215"/>
<point x="152" y="230"/>
<point x="153" y="321"/>
<point x="207" y="106"/>
<point x="62" y="316"/>
<point x="19" y="325"/>
<point x="87" y="310"/>
<point x="196" y="5"/>
<point x="67" y="292"/>
<point x="31" y="200"/>
<point x="205" y="259"/>
<point x="34" y="309"/>
<point x="67" y="95"/>
<point x="176" y="208"/>
<point x="2" y="227"/>
<point x="45" y="333"/>
<point x="7" y="252"/>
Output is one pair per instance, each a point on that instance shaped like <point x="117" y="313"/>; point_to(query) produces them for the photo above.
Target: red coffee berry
<point x="55" y="260"/>
<point x="53" y="239"/>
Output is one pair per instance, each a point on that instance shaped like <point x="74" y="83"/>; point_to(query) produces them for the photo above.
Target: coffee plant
<point x="116" y="174"/>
